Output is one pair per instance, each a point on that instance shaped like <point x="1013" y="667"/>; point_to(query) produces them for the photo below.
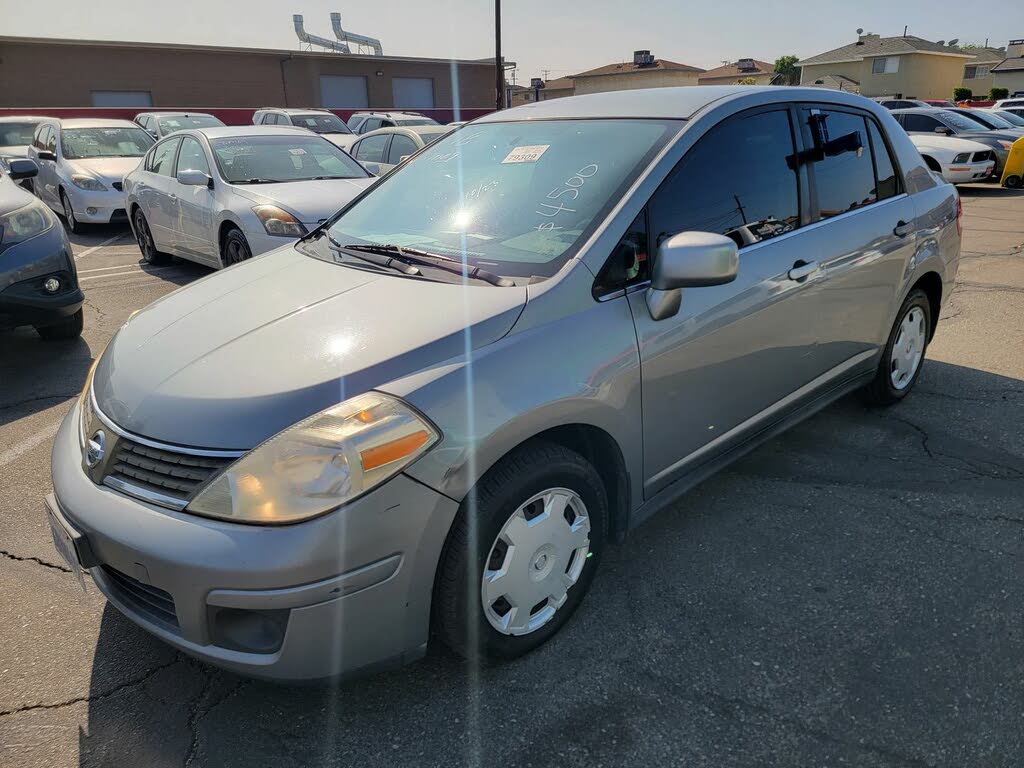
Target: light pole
<point x="499" y="68"/>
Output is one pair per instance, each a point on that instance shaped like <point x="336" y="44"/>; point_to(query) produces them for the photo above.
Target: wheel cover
<point x="69" y="212"/>
<point x="237" y="251"/>
<point x="538" y="555"/>
<point x="908" y="349"/>
<point x="144" y="236"/>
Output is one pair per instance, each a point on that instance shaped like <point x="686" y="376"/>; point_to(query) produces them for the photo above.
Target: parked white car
<point x="320" y="121"/>
<point x="82" y="164"/>
<point x="16" y="132"/>
<point x="1015" y="105"/>
<point x="958" y="160"/>
<point x="381" y="150"/>
<point x="222" y="195"/>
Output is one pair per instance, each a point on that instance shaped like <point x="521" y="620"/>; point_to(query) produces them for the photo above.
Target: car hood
<point x="947" y="144"/>
<point x="989" y="135"/>
<point x="238" y="356"/>
<point x="109" y="169"/>
<point x="14" y="151"/>
<point x="311" y="201"/>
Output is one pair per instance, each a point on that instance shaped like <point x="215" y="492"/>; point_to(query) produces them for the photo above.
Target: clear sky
<point x="563" y="36"/>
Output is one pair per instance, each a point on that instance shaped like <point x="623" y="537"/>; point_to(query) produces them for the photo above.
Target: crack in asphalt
<point x="95" y="696"/>
<point x="198" y="712"/>
<point x="39" y="561"/>
<point x="967" y="464"/>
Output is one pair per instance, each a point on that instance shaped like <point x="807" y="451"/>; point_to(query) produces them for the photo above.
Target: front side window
<point x="51" y="141"/>
<point x="401" y="146"/>
<point x="162" y="159"/>
<point x="271" y="159"/>
<point x="516" y="199"/>
<point x="17" y="134"/>
<point x="371" y="149"/>
<point x="739" y="180"/>
<point x="844" y="174"/>
<point x="321" y="123"/>
<point x="78" y="143"/>
<point x="192" y="157"/>
<point x="915" y="122"/>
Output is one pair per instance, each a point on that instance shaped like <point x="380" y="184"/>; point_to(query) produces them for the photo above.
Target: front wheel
<point x="68" y="328"/>
<point x="518" y="561"/>
<point x="903" y="355"/>
<point x="235" y="248"/>
<point x="74" y="226"/>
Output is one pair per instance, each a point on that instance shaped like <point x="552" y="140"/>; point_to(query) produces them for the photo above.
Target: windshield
<point x="990" y="120"/>
<point x="180" y="122"/>
<point x="407" y="121"/>
<point x="962" y="122"/>
<point x="16" y="134"/>
<point x="79" y="143"/>
<point x="265" y="159"/>
<point x="516" y="199"/>
<point x="1010" y="117"/>
<point x="321" y="123"/>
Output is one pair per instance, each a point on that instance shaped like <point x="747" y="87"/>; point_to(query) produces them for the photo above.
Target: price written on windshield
<point x="570" y="190"/>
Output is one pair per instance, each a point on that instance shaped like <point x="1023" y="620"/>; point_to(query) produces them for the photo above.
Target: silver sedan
<point x="222" y="195"/>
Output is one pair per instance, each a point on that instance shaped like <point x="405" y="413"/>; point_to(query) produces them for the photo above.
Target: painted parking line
<point x="114" y="274"/>
<point x="95" y="248"/>
<point x="26" y="445"/>
<point x="108" y="269"/>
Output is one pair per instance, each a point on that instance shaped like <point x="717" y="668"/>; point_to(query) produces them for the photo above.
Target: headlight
<point x="25" y="223"/>
<point x="278" y="222"/>
<point x="963" y="157"/>
<point x="87" y="182"/>
<point x="320" y="463"/>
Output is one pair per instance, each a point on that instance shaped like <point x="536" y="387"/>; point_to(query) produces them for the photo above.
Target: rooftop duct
<point x="323" y="42"/>
<point x="351" y="37"/>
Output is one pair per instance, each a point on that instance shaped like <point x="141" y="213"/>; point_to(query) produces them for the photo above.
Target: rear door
<point x="862" y="231"/>
<point x="159" y="198"/>
<point x="735" y="354"/>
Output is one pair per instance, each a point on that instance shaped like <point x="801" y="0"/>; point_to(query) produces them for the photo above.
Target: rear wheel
<point x="144" y="236"/>
<point x="1012" y="182"/>
<point x="903" y="355"/>
<point x="69" y="214"/>
<point x="68" y="328"/>
<point x="519" y="561"/>
<point x="234" y="248"/>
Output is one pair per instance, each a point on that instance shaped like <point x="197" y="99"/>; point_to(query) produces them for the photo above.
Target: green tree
<point x="999" y="93"/>
<point x="747" y="81"/>
<point x="786" y="66"/>
<point x="962" y="94"/>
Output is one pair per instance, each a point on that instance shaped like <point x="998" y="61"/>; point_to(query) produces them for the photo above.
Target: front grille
<point x="153" y="603"/>
<point x="163" y="471"/>
<point x="984" y="157"/>
<point x="119" y="186"/>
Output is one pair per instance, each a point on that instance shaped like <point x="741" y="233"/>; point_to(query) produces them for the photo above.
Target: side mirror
<point x="373" y="168"/>
<point x="22" y="169"/>
<point x="46" y="154"/>
<point x="943" y="130"/>
<point x="193" y="178"/>
<point x="689" y="260"/>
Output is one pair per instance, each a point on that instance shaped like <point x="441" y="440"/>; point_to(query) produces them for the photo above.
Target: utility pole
<point x="499" y="67"/>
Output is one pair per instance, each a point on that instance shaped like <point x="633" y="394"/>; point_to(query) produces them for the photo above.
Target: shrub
<point x="999" y="93"/>
<point x="962" y="94"/>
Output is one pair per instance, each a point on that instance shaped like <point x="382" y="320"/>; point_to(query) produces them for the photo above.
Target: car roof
<point x="419" y="130"/>
<point x="295" y="110"/>
<point x="679" y="102"/>
<point x="92" y="122"/>
<point x="174" y="114"/>
<point x="231" y="131"/>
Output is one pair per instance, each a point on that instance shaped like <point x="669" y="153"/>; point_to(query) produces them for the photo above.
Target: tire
<point x="68" y="328"/>
<point x="1012" y="182"/>
<point x="144" y="237"/>
<point x="473" y="547"/>
<point x="889" y="386"/>
<point x="234" y="248"/>
<point x="74" y="225"/>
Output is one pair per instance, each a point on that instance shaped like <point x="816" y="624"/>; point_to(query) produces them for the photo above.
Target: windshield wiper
<point x="257" y="180"/>
<point x="328" y="178"/>
<point x="371" y="257"/>
<point x="436" y="260"/>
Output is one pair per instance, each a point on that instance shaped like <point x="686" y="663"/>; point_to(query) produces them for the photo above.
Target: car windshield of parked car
<point x="1015" y="120"/>
<point x="179" y="123"/>
<point x="268" y="159"/>
<point x="516" y="199"/>
<point x="321" y="123"/>
<point x="962" y="122"/>
<point x="16" y="134"/>
<point x="82" y="143"/>
<point x="990" y="120"/>
<point x="406" y="122"/>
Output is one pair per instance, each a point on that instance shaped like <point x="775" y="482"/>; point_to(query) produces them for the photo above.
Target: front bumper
<point x="23" y="269"/>
<point x="351" y="589"/>
<point x="967" y="172"/>
<point x="107" y="207"/>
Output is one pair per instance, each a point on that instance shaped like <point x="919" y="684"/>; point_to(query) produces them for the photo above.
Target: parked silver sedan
<point x="221" y="195"/>
<point x="381" y="150"/>
<point x="82" y="164"/>
<point x="428" y="418"/>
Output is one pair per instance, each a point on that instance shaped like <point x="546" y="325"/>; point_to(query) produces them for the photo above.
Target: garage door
<point x="413" y="92"/>
<point x="343" y="92"/>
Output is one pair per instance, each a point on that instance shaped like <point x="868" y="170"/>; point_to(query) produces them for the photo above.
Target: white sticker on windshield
<point x="529" y="154"/>
<point x="297" y="151"/>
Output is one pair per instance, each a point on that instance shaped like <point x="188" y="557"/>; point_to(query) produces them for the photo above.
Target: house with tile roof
<point x="905" y="67"/>
<point x="1009" y="73"/>
<point x="978" y="69"/>
<point x="644" y="71"/>
<point x="761" y="72"/>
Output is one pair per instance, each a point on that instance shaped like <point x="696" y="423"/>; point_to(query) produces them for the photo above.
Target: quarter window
<point x="162" y="161"/>
<point x="740" y="180"/>
<point x="628" y="263"/>
<point x="886" y="184"/>
<point x="371" y="150"/>
<point x="844" y="175"/>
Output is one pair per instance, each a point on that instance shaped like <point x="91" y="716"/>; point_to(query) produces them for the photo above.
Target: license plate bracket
<point x="65" y="541"/>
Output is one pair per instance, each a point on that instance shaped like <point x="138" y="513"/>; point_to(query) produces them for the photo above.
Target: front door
<point x="195" y="206"/>
<point x="734" y="353"/>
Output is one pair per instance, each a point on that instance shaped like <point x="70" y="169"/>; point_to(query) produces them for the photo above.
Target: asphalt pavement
<point x="848" y="594"/>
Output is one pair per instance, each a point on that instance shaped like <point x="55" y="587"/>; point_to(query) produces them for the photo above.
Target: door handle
<point x="172" y="197"/>
<point x="903" y="229"/>
<point x="803" y="269"/>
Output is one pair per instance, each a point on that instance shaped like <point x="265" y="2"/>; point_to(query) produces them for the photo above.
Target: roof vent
<point x="643" y="59"/>
<point x="746" y="65"/>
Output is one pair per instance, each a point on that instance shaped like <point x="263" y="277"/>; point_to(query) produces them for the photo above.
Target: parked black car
<point x="951" y="123"/>
<point x="38" y="280"/>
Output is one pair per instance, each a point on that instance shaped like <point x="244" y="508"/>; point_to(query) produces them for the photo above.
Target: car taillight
<point x="959" y="216"/>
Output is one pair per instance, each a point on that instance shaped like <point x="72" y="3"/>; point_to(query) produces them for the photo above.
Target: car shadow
<point x="988" y="190"/>
<point x="815" y="600"/>
<point x="26" y="360"/>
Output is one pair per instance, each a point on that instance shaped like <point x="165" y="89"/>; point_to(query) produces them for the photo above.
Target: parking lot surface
<point x="848" y="594"/>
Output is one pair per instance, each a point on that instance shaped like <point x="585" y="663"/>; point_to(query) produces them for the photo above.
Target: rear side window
<point x="739" y="180"/>
<point x="843" y="173"/>
<point x="162" y="159"/>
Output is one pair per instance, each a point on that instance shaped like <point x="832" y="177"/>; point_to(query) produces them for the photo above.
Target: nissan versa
<point x="428" y="416"/>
